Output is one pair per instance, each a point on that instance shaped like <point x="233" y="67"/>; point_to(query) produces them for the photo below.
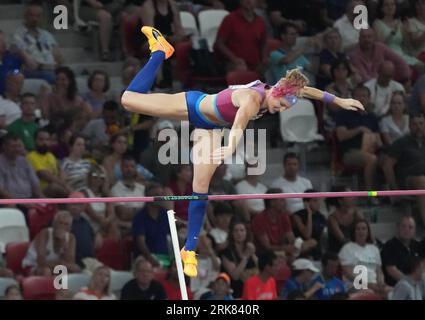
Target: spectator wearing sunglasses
<point x="38" y="46"/>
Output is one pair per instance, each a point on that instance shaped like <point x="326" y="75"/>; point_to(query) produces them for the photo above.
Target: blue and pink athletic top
<point x="224" y="107"/>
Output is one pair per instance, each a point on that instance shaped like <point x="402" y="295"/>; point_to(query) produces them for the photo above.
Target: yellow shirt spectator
<point x="45" y="161"/>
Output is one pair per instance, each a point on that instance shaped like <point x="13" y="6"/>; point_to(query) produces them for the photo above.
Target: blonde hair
<point x="61" y="214"/>
<point x="106" y="290"/>
<point x="290" y="84"/>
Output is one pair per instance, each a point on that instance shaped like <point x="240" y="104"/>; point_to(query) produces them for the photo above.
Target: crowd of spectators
<point x="64" y="143"/>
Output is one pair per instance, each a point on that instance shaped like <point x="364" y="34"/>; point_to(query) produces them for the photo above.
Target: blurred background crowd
<point x="65" y="134"/>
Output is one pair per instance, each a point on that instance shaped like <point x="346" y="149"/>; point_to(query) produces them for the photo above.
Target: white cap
<point x="304" y="264"/>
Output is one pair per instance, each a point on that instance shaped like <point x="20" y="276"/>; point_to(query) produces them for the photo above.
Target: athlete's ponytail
<point x="290" y="84"/>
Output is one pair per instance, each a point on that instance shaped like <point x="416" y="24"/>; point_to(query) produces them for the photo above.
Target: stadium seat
<point x="383" y="231"/>
<point x="241" y="77"/>
<point x="13" y="227"/>
<point x="76" y="281"/>
<point x="38" y="288"/>
<point x="15" y="253"/>
<point x="4" y="284"/>
<point x="118" y="280"/>
<point x="299" y="125"/>
<point x="189" y="23"/>
<point x="113" y="253"/>
<point x="40" y="217"/>
<point x="36" y="86"/>
<point x="209" y="23"/>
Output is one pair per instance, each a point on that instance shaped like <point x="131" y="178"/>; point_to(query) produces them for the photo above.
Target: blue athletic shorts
<point x="193" y="100"/>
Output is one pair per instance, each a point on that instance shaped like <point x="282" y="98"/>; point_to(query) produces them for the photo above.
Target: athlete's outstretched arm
<point x="316" y="94"/>
<point x="249" y="105"/>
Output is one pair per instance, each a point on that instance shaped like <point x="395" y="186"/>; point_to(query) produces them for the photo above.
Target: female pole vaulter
<point x="233" y="107"/>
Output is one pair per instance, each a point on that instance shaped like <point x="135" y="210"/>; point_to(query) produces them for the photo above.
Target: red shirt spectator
<point x="273" y="224"/>
<point x="263" y="286"/>
<point x="171" y="284"/>
<point x="256" y="289"/>
<point x="367" y="56"/>
<point x="173" y="291"/>
<point x="242" y="36"/>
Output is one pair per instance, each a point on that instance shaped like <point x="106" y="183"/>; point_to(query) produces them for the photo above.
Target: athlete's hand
<point x="222" y="153"/>
<point x="349" y="104"/>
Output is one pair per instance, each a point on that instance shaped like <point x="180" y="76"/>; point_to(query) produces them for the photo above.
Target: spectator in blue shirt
<point x="38" y="46"/>
<point x="329" y="279"/>
<point x="9" y="61"/>
<point x="288" y="57"/>
<point x="150" y="230"/>
<point x="303" y="271"/>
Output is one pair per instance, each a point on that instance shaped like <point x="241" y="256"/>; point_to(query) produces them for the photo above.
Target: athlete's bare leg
<point x="203" y="167"/>
<point x="161" y="105"/>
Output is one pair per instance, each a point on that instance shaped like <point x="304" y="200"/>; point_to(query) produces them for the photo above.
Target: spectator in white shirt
<point x="250" y="185"/>
<point x="223" y="213"/>
<point x="291" y="182"/>
<point x="9" y="103"/>
<point x="345" y="25"/>
<point x="396" y="124"/>
<point x="382" y="88"/>
<point x="128" y="187"/>
<point x="362" y="252"/>
<point x="38" y="46"/>
<point x="75" y="167"/>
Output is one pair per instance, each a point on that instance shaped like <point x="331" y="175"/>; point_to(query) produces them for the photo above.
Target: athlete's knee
<point x="125" y="100"/>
